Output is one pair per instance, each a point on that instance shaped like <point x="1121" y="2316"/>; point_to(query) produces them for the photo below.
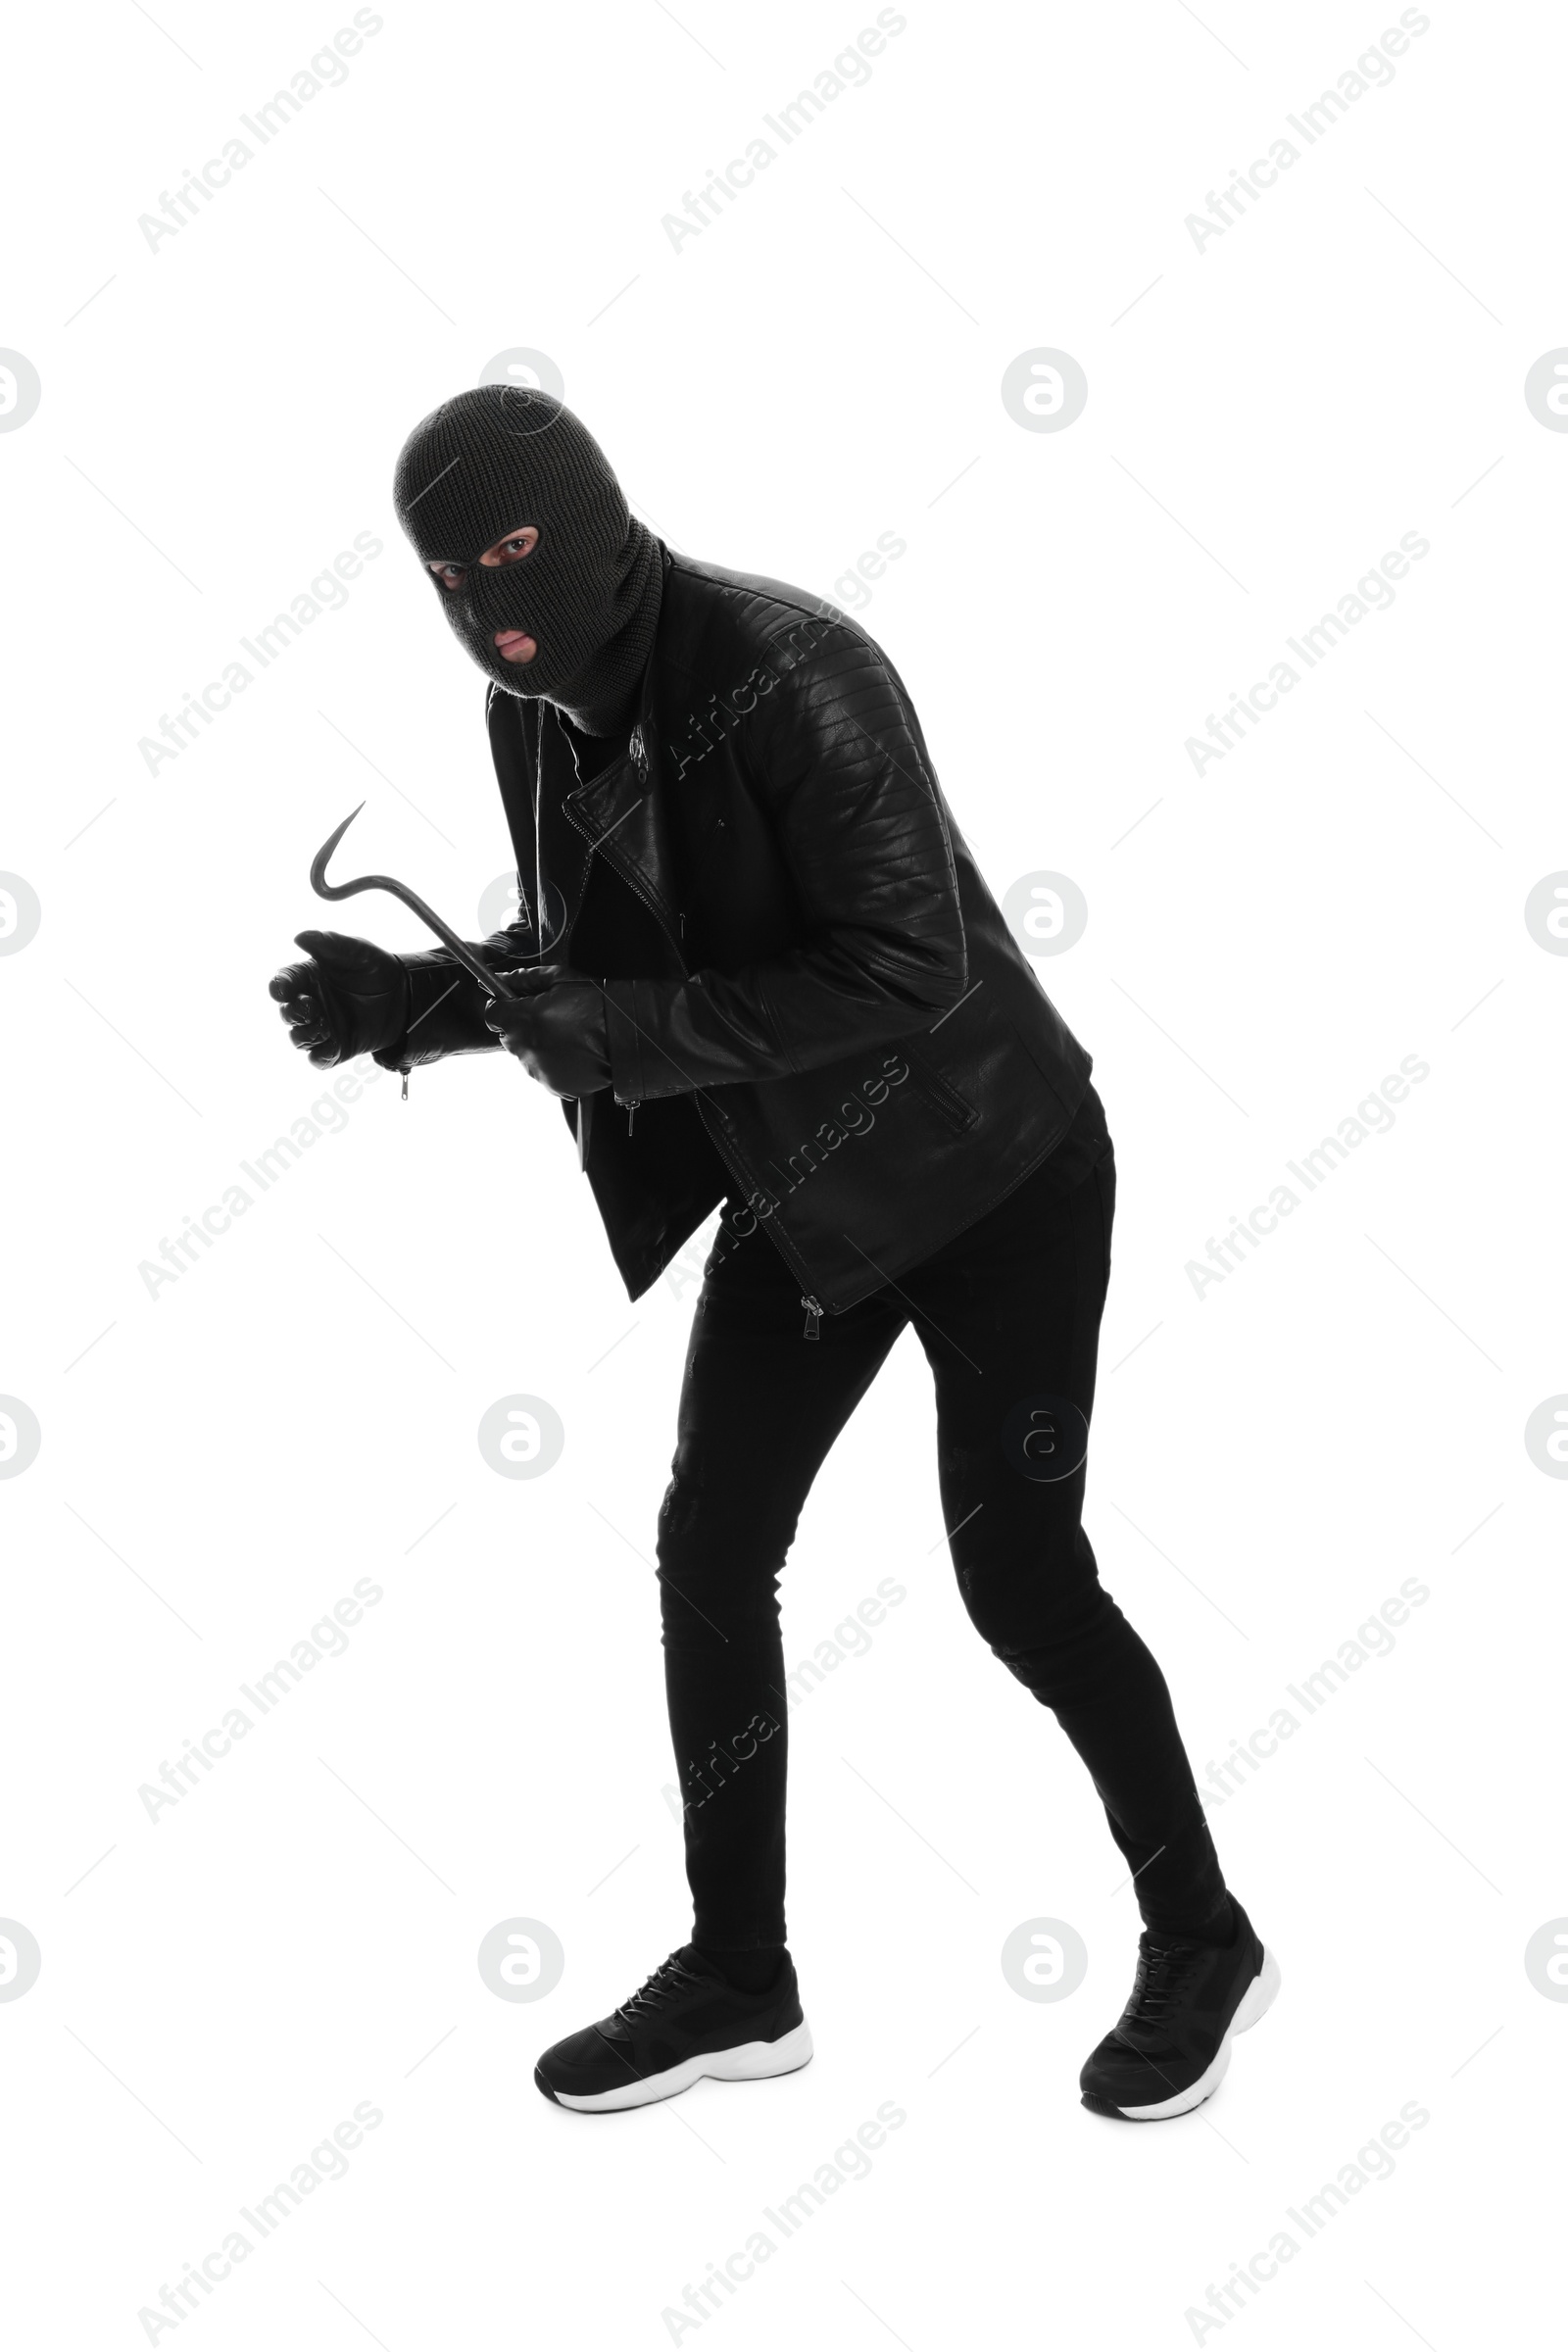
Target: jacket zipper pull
<point x="402" y="1097"/>
<point x="681" y="919"/>
<point x="631" y="1113"/>
<point x="813" y="1316"/>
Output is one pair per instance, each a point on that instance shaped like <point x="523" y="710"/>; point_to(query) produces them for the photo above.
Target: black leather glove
<point x="350" y="998"/>
<point x="447" y="1006"/>
<point x="558" y="1030"/>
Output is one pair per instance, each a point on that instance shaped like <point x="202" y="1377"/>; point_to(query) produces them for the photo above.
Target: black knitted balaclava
<point x="487" y="462"/>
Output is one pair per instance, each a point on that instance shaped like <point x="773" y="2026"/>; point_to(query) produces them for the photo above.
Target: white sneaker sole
<point x="1257" y="1997"/>
<point x="747" y="2062"/>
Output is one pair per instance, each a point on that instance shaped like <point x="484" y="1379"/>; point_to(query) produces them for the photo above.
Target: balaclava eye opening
<point x="491" y="461"/>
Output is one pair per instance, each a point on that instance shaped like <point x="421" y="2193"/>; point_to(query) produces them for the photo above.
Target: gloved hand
<point x="352" y="997"/>
<point x="558" y="1030"/>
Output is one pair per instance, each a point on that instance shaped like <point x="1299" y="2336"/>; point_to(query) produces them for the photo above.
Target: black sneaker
<point x="1172" y="2042"/>
<point x="685" y="2022"/>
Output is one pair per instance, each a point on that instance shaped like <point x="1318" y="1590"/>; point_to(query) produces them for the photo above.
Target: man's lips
<point x="515" y="645"/>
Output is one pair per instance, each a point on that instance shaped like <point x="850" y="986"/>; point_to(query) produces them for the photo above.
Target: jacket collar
<point x="621" y="808"/>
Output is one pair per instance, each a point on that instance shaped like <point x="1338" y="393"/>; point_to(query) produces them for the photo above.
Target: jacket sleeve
<point x="830" y="748"/>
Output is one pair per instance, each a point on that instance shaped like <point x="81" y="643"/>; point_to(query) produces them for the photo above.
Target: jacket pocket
<point x="958" y="1114"/>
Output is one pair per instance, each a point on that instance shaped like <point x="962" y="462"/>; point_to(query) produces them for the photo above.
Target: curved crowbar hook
<point x="492" y="986"/>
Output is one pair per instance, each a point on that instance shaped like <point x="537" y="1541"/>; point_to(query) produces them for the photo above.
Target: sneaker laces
<point x="1163" y="1968"/>
<point x="671" y="1977"/>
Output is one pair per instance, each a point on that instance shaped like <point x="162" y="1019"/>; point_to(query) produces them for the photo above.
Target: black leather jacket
<point x="820" y="969"/>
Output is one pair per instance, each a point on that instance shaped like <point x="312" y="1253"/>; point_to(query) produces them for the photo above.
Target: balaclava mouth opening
<point x="488" y="462"/>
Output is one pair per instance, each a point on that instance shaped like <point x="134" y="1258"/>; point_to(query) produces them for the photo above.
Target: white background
<point x="222" y="1460"/>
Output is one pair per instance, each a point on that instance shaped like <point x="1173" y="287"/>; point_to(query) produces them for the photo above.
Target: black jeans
<point x="1008" y="1316"/>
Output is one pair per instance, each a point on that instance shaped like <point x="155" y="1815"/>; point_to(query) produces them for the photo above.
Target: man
<point x="777" y="981"/>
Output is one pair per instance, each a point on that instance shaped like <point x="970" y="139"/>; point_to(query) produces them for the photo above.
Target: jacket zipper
<point x="702" y="868"/>
<point x="813" y="1315"/>
<point x="648" y="901"/>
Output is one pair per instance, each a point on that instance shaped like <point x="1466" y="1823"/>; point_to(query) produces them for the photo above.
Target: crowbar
<point x="323" y="889"/>
<point x="488" y="980"/>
